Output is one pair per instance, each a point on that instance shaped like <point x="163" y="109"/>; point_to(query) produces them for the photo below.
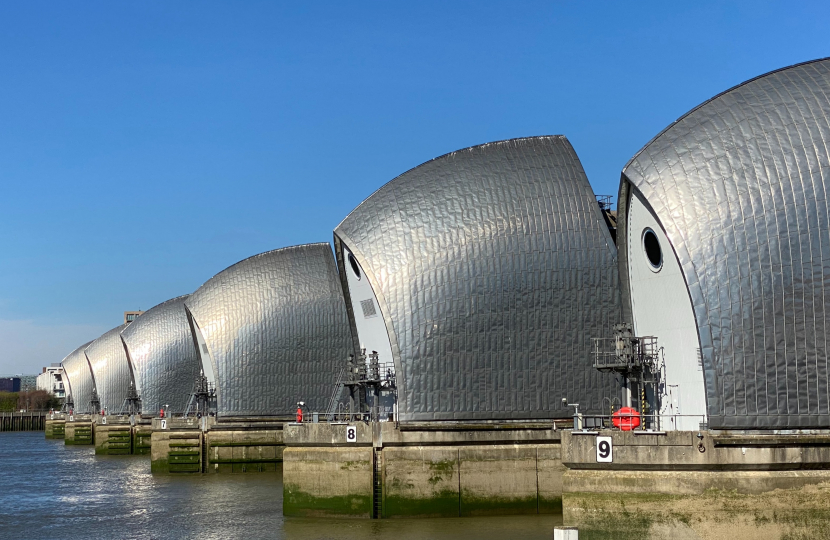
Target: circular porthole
<point x="355" y="267"/>
<point x="651" y="247"/>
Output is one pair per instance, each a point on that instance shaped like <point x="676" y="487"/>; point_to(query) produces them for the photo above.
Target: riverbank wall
<point x="203" y="445"/>
<point x="22" y="421"/>
<point x="380" y="470"/>
<point x="696" y="484"/>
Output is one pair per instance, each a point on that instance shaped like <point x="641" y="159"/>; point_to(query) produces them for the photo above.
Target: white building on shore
<point x="52" y="381"/>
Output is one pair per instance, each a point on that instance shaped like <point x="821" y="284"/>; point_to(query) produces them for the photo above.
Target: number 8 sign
<point x="605" y="450"/>
<point x="351" y="433"/>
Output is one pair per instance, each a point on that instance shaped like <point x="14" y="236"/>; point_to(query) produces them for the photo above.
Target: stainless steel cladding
<point x="491" y="269"/>
<point x="275" y="329"/>
<point x="164" y="361"/>
<point x="739" y="186"/>
<point x="110" y="369"/>
<point x="79" y="379"/>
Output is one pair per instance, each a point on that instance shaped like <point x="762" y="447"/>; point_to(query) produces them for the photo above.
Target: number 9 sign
<point x="351" y="433"/>
<point x="605" y="450"/>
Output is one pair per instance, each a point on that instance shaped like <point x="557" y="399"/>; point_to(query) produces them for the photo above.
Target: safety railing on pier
<point x="641" y="422"/>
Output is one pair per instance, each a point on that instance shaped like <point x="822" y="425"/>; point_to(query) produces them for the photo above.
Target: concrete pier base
<point x="55" y="426"/>
<point x="176" y="445"/>
<point x="724" y="485"/>
<point x="113" y="435"/>
<point x="244" y="447"/>
<point x="79" y="429"/>
<point x="122" y="435"/>
<point x="453" y="471"/>
<point x="205" y="446"/>
<point x="142" y="433"/>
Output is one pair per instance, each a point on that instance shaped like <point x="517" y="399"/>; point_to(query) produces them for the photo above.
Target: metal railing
<point x="625" y="354"/>
<point x="648" y="422"/>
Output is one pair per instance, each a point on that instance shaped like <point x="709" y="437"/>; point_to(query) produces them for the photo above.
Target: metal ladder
<point x="377" y="487"/>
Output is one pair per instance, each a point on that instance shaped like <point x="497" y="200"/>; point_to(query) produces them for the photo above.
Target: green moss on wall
<point x="442" y="504"/>
<point x="497" y="506"/>
<point x="298" y="503"/>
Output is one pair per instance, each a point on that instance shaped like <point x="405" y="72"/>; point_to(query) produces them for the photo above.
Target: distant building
<point x="28" y="383"/>
<point x="10" y="384"/>
<point x="130" y="316"/>
<point x="52" y="380"/>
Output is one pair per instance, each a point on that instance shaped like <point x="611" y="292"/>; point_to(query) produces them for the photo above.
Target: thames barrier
<point x="486" y="336"/>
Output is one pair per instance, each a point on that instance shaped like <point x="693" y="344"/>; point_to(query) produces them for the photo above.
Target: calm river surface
<point x="48" y="490"/>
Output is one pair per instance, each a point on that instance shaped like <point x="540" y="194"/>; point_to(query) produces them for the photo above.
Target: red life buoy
<point x="161" y="413"/>
<point x="299" y="415"/>
<point x="626" y="419"/>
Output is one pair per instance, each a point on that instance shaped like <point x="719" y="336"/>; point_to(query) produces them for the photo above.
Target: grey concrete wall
<point x="113" y="435"/>
<point x="681" y="450"/>
<point x="429" y="472"/>
<point x="177" y="448"/>
<point x="79" y="430"/>
<point x="327" y="481"/>
<point x="730" y="485"/>
<point x="55" y="426"/>
<point x="204" y="445"/>
<point x="238" y="450"/>
<point x="421" y="481"/>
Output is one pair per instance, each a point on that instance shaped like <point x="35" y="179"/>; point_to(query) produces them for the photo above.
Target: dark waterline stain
<point x="53" y="491"/>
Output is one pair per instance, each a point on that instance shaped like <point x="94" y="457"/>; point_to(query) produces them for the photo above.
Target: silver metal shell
<point x="79" y="381"/>
<point x="275" y="329"/>
<point x="493" y="269"/>
<point x="163" y="357"/>
<point x="740" y="186"/>
<point x="110" y="369"/>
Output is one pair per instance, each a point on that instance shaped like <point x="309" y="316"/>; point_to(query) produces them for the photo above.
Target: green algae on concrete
<point x="176" y="452"/>
<point x="113" y="440"/>
<point x="787" y="514"/>
<point x="497" y="506"/>
<point x="498" y="480"/>
<point x="296" y="503"/>
<point x="55" y="429"/>
<point x="441" y="504"/>
<point x="328" y="481"/>
<point x="142" y="437"/>
<point x="243" y="449"/>
<point x="550" y="505"/>
<point x="78" y="433"/>
<point x="420" y="482"/>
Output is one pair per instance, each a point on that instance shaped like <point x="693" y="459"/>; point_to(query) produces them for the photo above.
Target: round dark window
<point x="355" y="267"/>
<point x="652" y="248"/>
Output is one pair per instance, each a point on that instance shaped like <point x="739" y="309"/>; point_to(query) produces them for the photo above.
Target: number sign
<point x="351" y="433"/>
<point x="71" y="418"/>
<point x="103" y="420"/>
<point x="163" y="423"/>
<point x="605" y="450"/>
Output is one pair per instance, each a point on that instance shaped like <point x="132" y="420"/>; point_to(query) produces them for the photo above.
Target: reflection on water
<point x="49" y="490"/>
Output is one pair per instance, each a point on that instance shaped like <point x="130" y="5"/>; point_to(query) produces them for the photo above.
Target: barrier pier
<point x="696" y="484"/>
<point x="379" y="470"/>
<point x="55" y="425"/>
<point x="203" y="445"/>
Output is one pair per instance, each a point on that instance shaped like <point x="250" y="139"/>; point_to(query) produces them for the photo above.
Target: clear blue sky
<point x="146" y="146"/>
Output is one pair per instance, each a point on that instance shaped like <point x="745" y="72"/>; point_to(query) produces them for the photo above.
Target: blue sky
<point x="146" y="146"/>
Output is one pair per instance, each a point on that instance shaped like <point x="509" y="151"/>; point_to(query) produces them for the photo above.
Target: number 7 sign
<point x="605" y="450"/>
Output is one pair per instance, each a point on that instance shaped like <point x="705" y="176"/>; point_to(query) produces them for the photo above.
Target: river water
<point x="52" y="491"/>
